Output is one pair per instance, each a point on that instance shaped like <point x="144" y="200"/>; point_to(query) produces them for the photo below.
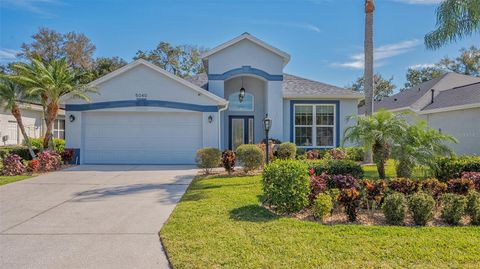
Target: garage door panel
<point x="143" y="138"/>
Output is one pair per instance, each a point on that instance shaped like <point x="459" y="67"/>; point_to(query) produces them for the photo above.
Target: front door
<point x="241" y="131"/>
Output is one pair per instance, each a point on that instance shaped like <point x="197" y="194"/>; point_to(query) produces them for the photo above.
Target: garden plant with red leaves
<point x="460" y="185"/>
<point x="33" y="166"/>
<point x="434" y="187"/>
<point x="475" y="177"/>
<point x="318" y="184"/>
<point x="403" y="185"/>
<point x="228" y="161"/>
<point x="12" y="165"/>
<point x="350" y="199"/>
<point x="374" y="191"/>
<point x="49" y="161"/>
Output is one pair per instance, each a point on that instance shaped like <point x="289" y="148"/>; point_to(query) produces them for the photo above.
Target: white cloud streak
<point x="8" y="55"/>
<point x="380" y="54"/>
<point x="420" y="66"/>
<point x="292" y="24"/>
<point x="33" y="6"/>
<point x="420" y="2"/>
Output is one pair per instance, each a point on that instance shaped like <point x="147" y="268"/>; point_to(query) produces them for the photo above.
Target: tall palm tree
<point x="377" y="132"/>
<point x="368" y="68"/>
<point x="455" y="20"/>
<point x="51" y="81"/>
<point x="10" y="93"/>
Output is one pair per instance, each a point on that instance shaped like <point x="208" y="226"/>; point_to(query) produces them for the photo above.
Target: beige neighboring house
<point x="449" y="103"/>
<point x="33" y="120"/>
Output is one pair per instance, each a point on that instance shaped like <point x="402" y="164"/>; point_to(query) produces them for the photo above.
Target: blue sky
<point x="323" y="37"/>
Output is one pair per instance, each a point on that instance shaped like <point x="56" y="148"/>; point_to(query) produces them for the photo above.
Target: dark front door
<point x="241" y="131"/>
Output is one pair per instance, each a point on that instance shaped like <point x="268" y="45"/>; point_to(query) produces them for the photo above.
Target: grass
<point x="9" y="179"/>
<point x="220" y="223"/>
<point x="370" y="171"/>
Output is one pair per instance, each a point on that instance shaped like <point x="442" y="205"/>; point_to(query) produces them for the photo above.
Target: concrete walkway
<point x="93" y="216"/>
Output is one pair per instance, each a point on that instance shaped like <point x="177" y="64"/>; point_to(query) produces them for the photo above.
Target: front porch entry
<point x="241" y="131"/>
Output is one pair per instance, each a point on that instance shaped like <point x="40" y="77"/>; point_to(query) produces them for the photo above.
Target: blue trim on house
<point x="245" y="128"/>
<point x="246" y="69"/>
<point x="337" y="117"/>
<point x="76" y="156"/>
<point x="141" y="102"/>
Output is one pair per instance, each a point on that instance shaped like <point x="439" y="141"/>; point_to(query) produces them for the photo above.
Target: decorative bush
<point x="314" y="154"/>
<point x="475" y="177"/>
<point x="322" y="206"/>
<point x="67" y="155"/>
<point x="271" y="151"/>
<point x="335" y="194"/>
<point x="337" y="154"/>
<point x="318" y="184"/>
<point x="33" y="166"/>
<point x="18" y="150"/>
<point x="49" y="161"/>
<point x="12" y="165"/>
<point x="473" y="207"/>
<point x="449" y="168"/>
<point x="228" y="161"/>
<point x="421" y="206"/>
<point x="453" y="208"/>
<point x="350" y="199"/>
<point x="343" y="181"/>
<point x="460" y="185"/>
<point x="287" y="150"/>
<point x="286" y="185"/>
<point x="403" y="185"/>
<point x="250" y="156"/>
<point x="208" y="158"/>
<point x="58" y="144"/>
<point x="355" y="154"/>
<point x="336" y="167"/>
<point x="373" y="190"/>
<point x="433" y="187"/>
<point x="394" y="207"/>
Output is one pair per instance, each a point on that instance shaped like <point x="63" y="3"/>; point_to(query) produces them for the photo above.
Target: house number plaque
<point x="141" y="96"/>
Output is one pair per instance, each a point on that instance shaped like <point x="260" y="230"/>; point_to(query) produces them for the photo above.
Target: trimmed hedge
<point x="250" y="156"/>
<point x="394" y="208"/>
<point x="287" y="150"/>
<point x="422" y="207"/>
<point x="58" y="144"/>
<point x="336" y="167"/>
<point x="208" y="158"/>
<point x="21" y="151"/>
<point x="453" y="208"/>
<point x="453" y="167"/>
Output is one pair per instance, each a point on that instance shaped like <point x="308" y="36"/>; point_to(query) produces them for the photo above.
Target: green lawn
<point x="220" y="224"/>
<point x="371" y="171"/>
<point x="9" y="179"/>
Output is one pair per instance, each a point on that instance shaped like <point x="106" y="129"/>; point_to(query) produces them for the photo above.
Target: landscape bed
<point x="220" y="222"/>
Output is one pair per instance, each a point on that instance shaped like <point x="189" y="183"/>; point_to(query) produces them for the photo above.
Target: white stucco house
<point x="449" y="103"/>
<point x="146" y="115"/>
<point x="34" y="122"/>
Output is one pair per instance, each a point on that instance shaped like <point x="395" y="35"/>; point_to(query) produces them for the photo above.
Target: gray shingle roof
<point x="464" y="95"/>
<point x="295" y="86"/>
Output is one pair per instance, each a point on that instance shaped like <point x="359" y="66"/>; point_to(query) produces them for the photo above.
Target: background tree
<point x="368" y="68"/>
<point x="455" y="20"/>
<point x="383" y="87"/>
<point x="416" y="76"/>
<point x="51" y="82"/>
<point x="181" y="60"/>
<point x="105" y="65"/>
<point x="51" y="45"/>
<point x="10" y="94"/>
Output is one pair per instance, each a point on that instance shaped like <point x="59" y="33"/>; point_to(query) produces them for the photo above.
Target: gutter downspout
<point x="220" y="127"/>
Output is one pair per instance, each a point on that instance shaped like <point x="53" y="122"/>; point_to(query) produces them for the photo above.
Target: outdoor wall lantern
<point x="71" y="118"/>
<point x="210" y="119"/>
<point x="267" y="124"/>
<point x="241" y="95"/>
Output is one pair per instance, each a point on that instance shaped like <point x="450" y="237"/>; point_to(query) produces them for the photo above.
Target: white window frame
<point x="314" y="125"/>
<point x="58" y="130"/>
<point x="236" y="95"/>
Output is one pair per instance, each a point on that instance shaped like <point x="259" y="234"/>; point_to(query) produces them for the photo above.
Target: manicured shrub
<point x="373" y="190"/>
<point x="433" y="187"/>
<point x="228" y="161"/>
<point x="322" y="206"/>
<point x="314" y="154"/>
<point x="475" y="177"/>
<point x="318" y="184"/>
<point x="450" y="168"/>
<point x="336" y="154"/>
<point x="453" y="208"/>
<point x="421" y="206"/>
<point x="67" y="155"/>
<point x="33" y="166"/>
<point x="336" y="167"/>
<point x="208" y="158"/>
<point x="21" y="151"/>
<point x="12" y="165"/>
<point x="286" y="185"/>
<point x="460" y="185"/>
<point x="287" y="150"/>
<point x="250" y="156"/>
<point x="49" y="161"/>
<point x="394" y="207"/>
<point x="350" y="199"/>
<point x="335" y="194"/>
<point x="473" y="207"/>
<point x="403" y="185"/>
<point x="58" y="144"/>
<point x="343" y="181"/>
<point x="355" y="154"/>
<point x="301" y="154"/>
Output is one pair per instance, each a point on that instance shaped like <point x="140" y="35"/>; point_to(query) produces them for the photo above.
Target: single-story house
<point x="33" y="120"/>
<point x="449" y="103"/>
<point x="146" y="115"/>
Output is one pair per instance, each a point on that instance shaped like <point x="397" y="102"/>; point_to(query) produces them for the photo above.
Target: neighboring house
<point x="449" y="103"/>
<point x="146" y="115"/>
<point x="33" y="120"/>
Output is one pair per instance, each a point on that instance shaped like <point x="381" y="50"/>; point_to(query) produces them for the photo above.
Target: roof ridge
<point x="456" y="87"/>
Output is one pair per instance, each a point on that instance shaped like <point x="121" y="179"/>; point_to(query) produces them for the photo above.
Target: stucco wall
<point x="462" y="124"/>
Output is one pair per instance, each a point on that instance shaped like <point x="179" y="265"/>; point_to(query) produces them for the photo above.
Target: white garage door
<point x="142" y="137"/>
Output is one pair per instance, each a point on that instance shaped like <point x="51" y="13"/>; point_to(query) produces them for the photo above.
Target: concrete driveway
<point x="92" y="216"/>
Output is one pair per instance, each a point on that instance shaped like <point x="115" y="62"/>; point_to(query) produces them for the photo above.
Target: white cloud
<point x="380" y="54"/>
<point x="34" y="6"/>
<point x="420" y="66"/>
<point x="420" y="2"/>
<point x="8" y="55"/>
<point x="292" y="24"/>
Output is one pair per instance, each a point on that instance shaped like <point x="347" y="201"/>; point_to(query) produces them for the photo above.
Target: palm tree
<point x="455" y="20"/>
<point x="419" y="145"/>
<point x="377" y="133"/>
<point x="368" y="72"/>
<point x="51" y="81"/>
<point x="10" y="93"/>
